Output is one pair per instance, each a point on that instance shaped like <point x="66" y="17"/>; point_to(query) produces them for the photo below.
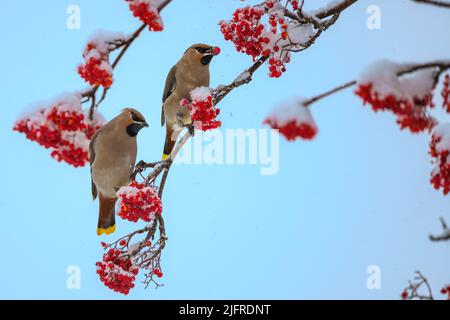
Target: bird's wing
<point x="171" y="83"/>
<point x="91" y="159"/>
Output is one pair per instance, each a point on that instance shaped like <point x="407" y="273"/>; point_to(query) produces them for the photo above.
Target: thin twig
<point x="444" y="235"/>
<point x="441" y="67"/>
<point x="442" y="4"/>
<point x="92" y="92"/>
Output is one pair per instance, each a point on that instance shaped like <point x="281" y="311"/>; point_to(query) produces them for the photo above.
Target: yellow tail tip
<point x="165" y="156"/>
<point x="106" y="231"/>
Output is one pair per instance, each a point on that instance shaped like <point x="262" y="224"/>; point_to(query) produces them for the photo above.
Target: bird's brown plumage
<point x="191" y="71"/>
<point x="113" y="155"/>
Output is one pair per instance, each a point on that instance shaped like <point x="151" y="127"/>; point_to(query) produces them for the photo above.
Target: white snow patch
<point x="384" y="75"/>
<point x="200" y="94"/>
<point x="443" y="131"/>
<point x="290" y="110"/>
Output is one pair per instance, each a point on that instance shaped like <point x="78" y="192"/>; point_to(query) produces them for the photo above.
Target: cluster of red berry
<point x="246" y="31"/>
<point x="295" y="5"/>
<point x="252" y="36"/>
<point x="66" y="131"/>
<point x="411" y="114"/>
<point x="138" y="202"/>
<point x="446" y="93"/>
<point x="293" y="129"/>
<point x="147" y="12"/>
<point x="96" y="69"/>
<point x="440" y="151"/>
<point x="69" y="153"/>
<point x="203" y="112"/>
<point x="446" y="290"/>
<point x="158" y="273"/>
<point x="117" y="271"/>
<point x="293" y="120"/>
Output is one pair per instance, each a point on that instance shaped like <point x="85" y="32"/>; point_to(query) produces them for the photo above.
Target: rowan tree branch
<point x="91" y="93"/>
<point x="412" y="291"/>
<point x="440" y="66"/>
<point x="162" y="169"/>
<point x="442" y="4"/>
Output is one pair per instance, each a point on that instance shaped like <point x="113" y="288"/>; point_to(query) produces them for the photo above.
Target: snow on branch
<point x="62" y="125"/>
<point x="268" y="32"/>
<point x="408" y="92"/>
<point x="146" y="11"/>
<point x="203" y="109"/>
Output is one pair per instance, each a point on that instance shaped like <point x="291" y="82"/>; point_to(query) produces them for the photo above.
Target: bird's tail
<point x="171" y="139"/>
<point x="107" y="216"/>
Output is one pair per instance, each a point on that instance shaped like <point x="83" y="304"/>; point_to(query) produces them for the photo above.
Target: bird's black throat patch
<point x="133" y="129"/>
<point x="206" y="59"/>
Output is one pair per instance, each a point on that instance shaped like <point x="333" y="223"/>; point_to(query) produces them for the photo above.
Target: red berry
<point x="404" y="295"/>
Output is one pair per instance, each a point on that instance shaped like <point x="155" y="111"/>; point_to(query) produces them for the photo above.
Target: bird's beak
<point x="143" y="124"/>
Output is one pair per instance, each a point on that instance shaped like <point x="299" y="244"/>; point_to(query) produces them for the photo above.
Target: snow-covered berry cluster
<point x="440" y="152"/>
<point x="203" y="113"/>
<point x="411" y="114"/>
<point x="264" y="31"/>
<point x="147" y="12"/>
<point x="446" y="93"/>
<point x="293" y="120"/>
<point x="408" y="97"/>
<point x="96" y="68"/>
<point x="62" y="127"/>
<point x="138" y="202"/>
<point x="117" y="271"/>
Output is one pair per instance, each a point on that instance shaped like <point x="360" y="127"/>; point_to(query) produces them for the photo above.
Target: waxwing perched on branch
<point x="113" y="155"/>
<point x="190" y="72"/>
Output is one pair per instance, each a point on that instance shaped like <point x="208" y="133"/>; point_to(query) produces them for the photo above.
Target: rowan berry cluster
<point x="440" y="152"/>
<point x="147" y="12"/>
<point x="96" y="69"/>
<point x="117" y="271"/>
<point x="293" y="120"/>
<point x="138" y="201"/>
<point x="203" y="113"/>
<point x="258" y="37"/>
<point x="412" y="114"/>
<point x="63" y="128"/>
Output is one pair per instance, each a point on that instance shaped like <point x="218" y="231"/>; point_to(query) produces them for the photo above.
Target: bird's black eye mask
<point x="135" y="118"/>
<point x="206" y="59"/>
<point x="203" y="50"/>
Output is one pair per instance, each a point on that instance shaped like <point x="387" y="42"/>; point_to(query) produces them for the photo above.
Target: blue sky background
<point x="355" y="196"/>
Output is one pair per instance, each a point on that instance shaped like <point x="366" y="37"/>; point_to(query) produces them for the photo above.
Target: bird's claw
<point x="191" y="129"/>
<point x="141" y="166"/>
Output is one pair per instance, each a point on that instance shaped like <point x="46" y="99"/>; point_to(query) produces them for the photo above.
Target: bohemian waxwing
<point x="113" y="155"/>
<point x="190" y="72"/>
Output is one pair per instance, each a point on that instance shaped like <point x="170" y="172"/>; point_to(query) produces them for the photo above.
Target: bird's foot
<point x="191" y="129"/>
<point x="141" y="166"/>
